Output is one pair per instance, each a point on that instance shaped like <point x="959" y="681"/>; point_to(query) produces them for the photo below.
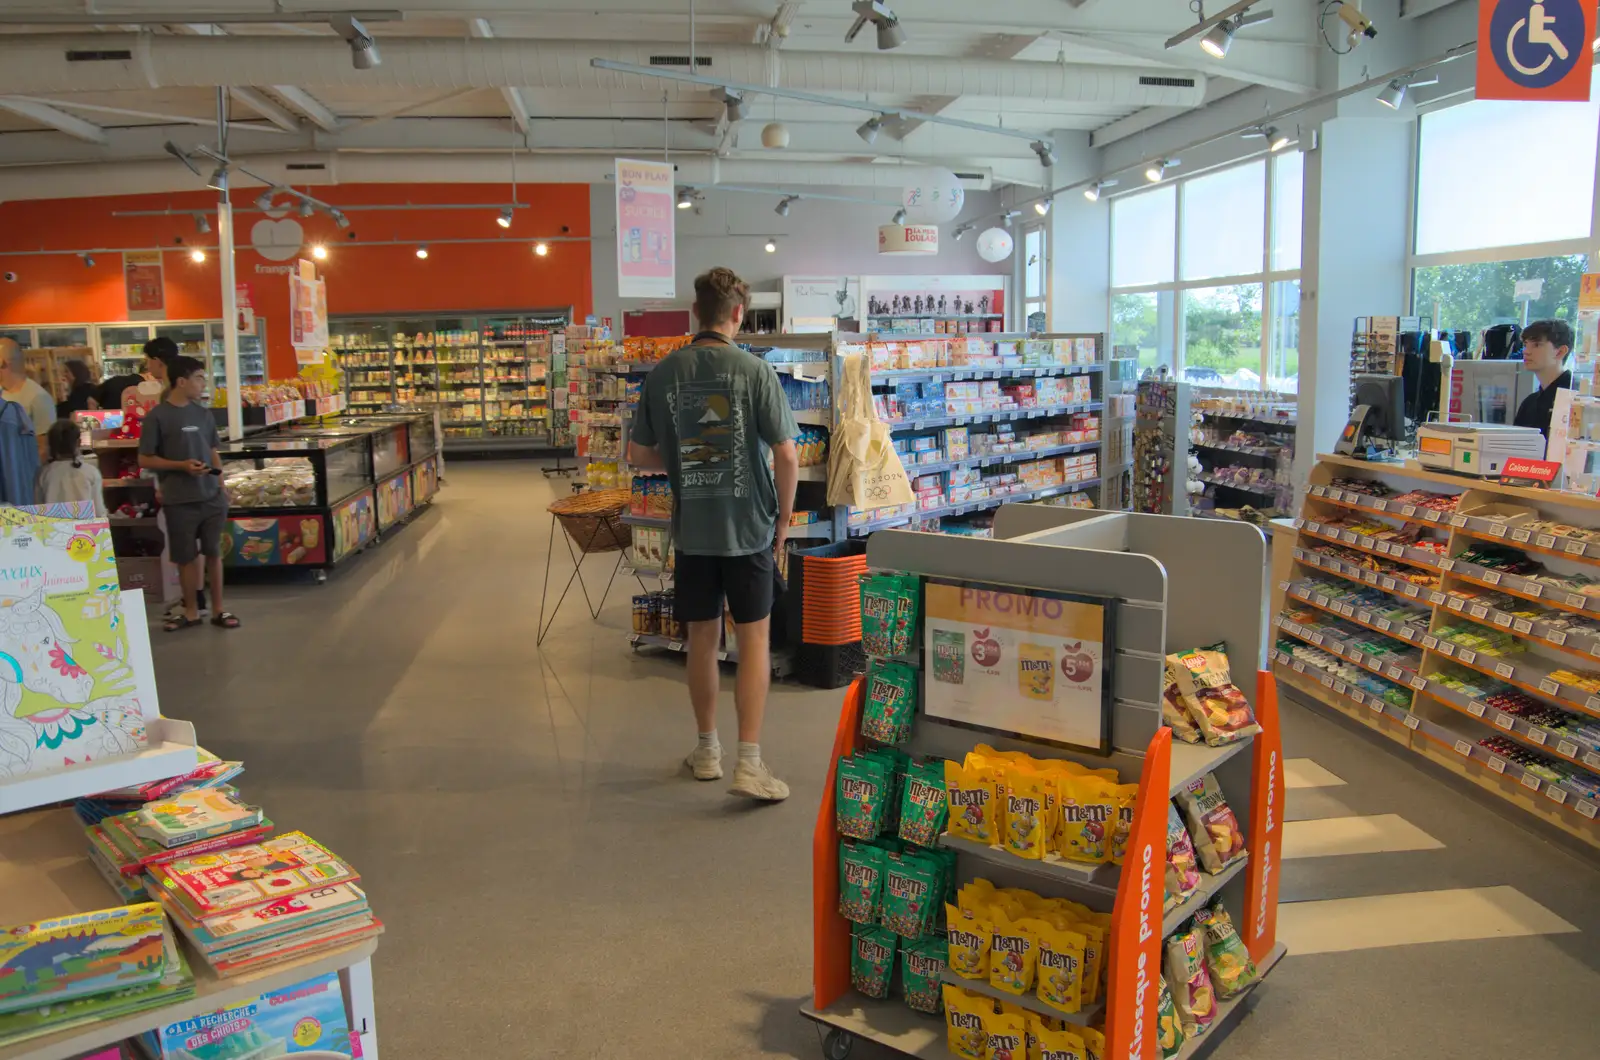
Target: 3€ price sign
<point x="1535" y="49"/>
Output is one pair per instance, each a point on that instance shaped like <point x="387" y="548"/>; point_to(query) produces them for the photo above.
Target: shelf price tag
<point x="1467" y="656"/>
<point x="1476" y="709"/>
<point x="1568" y="748"/>
<point x="1549" y="687"/>
<point x="1492" y="577"/>
<point x="1479" y="611"/>
<point x="1557" y="638"/>
<point x="1384" y="624"/>
<point x="1545" y="541"/>
<point x="1519" y="536"/>
<point x="1394" y="673"/>
<point x="1406" y="633"/>
<point x="1411" y="590"/>
<point x="1408" y="510"/>
<point x="1504" y="671"/>
<point x="1316" y="638"/>
<point x="1446" y="648"/>
<point x="1322" y="601"/>
<point x="1458" y="520"/>
<point x="1447" y="565"/>
<point x="1412" y="721"/>
<point x="1430" y="642"/>
<point x="1327" y="680"/>
<point x="1319" y="491"/>
<point x="1348" y="537"/>
<point x="1531" y="782"/>
<point x="1538" y="736"/>
<point x="1496" y="763"/>
<point x="1299" y="667"/>
<point x="1463" y="748"/>
<point x="1574" y="548"/>
<point x="1587" y="809"/>
<point x="1556" y="795"/>
<point x="1364" y="616"/>
<point x="1591" y="760"/>
<point x="1593" y="703"/>
<point x="1502" y="619"/>
<point x="1358" y="695"/>
<point x="1457" y="603"/>
<point x="676" y="645"/>
<point x="1375" y="703"/>
<point x="1431" y="514"/>
<point x="1522" y="626"/>
<point x="1340" y="687"/>
<point x="1388" y="585"/>
<point x="1533" y="589"/>
<point x="1505" y="721"/>
<point x="1576" y="600"/>
<point x="1418" y="683"/>
<point x="1380" y="505"/>
<point x="1369" y="577"/>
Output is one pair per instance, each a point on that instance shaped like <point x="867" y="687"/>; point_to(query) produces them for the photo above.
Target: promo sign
<point x="645" y="230"/>
<point x="145" y="283"/>
<point x="908" y="239"/>
<point x="1535" y="49"/>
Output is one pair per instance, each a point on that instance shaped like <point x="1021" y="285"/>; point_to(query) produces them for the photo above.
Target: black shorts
<point x="702" y="583"/>
<point x="195" y="529"/>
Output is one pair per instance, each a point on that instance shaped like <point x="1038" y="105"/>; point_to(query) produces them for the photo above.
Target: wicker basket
<point x="591" y="520"/>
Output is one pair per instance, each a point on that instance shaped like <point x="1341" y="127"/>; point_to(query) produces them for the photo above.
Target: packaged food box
<point x="924" y="443"/>
<point x="930" y="456"/>
<point x="955" y="443"/>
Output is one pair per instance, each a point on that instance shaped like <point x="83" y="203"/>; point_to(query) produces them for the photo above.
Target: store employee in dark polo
<point x="1546" y="344"/>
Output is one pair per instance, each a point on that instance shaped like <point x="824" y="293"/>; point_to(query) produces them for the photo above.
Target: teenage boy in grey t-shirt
<point x="710" y="414"/>
<point x="179" y="442"/>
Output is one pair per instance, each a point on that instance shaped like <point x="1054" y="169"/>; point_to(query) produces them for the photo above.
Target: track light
<point x="306" y="209"/>
<point x="339" y="218"/>
<point x="1276" y="141"/>
<point x="319" y="252"/>
<point x="1393" y="94"/>
<point x="202" y="224"/>
<point x="782" y="209"/>
<point x="1042" y="207"/>
<point x="890" y="33"/>
<point x="422" y="251"/>
<point x="541" y="249"/>
<point x="869" y="129"/>
<point x="88" y="261"/>
<point x="218" y="181"/>
<point x="734" y="102"/>
<point x="363" y="47"/>
<point x="1218" y="40"/>
<point x="772" y="246"/>
<point x="197" y="255"/>
<point x="685" y="198"/>
<point x="1092" y="192"/>
<point x="899" y="217"/>
<point x="960" y="231"/>
<point x="1157" y="170"/>
<point x="1046" y="153"/>
<point x="504" y="220"/>
<point x="264" y="200"/>
<point x="177" y="152"/>
<point x="1009" y="216"/>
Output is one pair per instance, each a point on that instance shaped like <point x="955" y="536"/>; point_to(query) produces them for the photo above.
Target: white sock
<point x="709" y="741"/>
<point x="749" y="752"/>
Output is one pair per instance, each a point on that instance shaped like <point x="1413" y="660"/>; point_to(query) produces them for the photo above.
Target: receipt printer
<point x="1476" y="448"/>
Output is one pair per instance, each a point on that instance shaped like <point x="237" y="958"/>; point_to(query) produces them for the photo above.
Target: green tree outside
<point x="1473" y="297"/>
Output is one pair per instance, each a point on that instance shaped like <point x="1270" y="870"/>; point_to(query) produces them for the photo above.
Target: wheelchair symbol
<point x="1539" y="32"/>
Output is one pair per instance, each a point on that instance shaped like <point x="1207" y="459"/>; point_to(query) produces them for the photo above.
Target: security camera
<point x="11" y="277"/>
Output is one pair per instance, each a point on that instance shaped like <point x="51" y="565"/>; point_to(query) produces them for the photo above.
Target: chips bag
<point x="1064" y="1044"/>
<point x="861" y="881"/>
<point x="1060" y="966"/>
<point x="1088" y="819"/>
<point x="1094" y="1043"/>
<point x="1008" y="1035"/>
<point x="1231" y="967"/>
<point x="1169" y="1032"/>
<point x="891" y="702"/>
<point x="1012" y="955"/>
<point x="1028" y="828"/>
<point x="966" y="1016"/>
<point x="1123" y="797"/>
<point x="862" y="791"/>
<point x="967" y="939"/>
<point x="913" y="885"/>
<point x="872" y="960"/>
<point x="1192" y="993"/>
<point x="1211" y="698"/>
<point x="1183" y="870"/>
<point x="1173" y="712"/>
<point x="923" y="804"/>
<point x="973" y="804"/>
<point x="921" y="968"/>
<point x="1218" y="839"/>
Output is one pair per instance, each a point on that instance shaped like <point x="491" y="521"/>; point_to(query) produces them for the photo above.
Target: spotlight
<point x="422" y="251"/>
<point x="340" y="219"/>
<point x="218" y="181"/>
<point x="541" y="249"/>
<point x="899" y="217"/>
<point x="868" y="130"/>
<point x="772" y="246"/>
<point x="197" y="255"/>
<point x="1360" y="25"/>
<point x="782" y="209"/>
<point x="734" y="102"/>
<point x="890" y="33"/>
<point x="88" y="261"/>
<point x="1218" y="39"/>
<point x="1041" y="207"/>
<point x="264" y="200"/>
<point x="1393" y="94"/>
<point x="1158" y="169"/>
<point x="306" y="209"/>
<point x="1046" y="153"/>
<point x="319" y="252"/>
<point x="1092" y="192"/>
<point x="363" y="47"/>
<point x="504" y="220"/>
<point x="177" y="152"/>
<point x="1276" y="141"/>
<point x="1009" y="216"/>
<point x="202" y="224"/>
<point x="960" y="231"/>
<point x="685" y="198"/>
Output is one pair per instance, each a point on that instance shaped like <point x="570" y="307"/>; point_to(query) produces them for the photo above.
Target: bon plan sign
<point x="1535" y="49"/>
<point x="646" y="237"/>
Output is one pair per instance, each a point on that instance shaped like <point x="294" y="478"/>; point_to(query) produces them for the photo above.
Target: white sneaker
<point x="754" y="780"/>
<point x="705" y="763"/>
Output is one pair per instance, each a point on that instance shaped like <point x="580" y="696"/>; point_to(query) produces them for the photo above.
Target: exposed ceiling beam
<point x="1148" y="118"/>
<point x="171" y="119"/>
<point x="518" y="106"/>
<point x="994" y="46"/>
<point x="45" y="114"/>
<point x="1272" y="64"/>
<point x="301" y="100"/>
<point x="263" y="106"/>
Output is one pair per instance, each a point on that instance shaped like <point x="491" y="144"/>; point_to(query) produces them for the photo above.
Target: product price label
<point x="1556" y="637"/>
<point x="1369" y="577"/>
<point x="1463" y="748"/>
<point x="1533" y="589"/>
<point x="1457" y="604"/>
<point x="1568" y="748"/>
<point x="1322" y="601"/>
<point x="1537" y="736"/>
<point x="1467" y="656"/>
<point x="1364" y="616"/>
<point x="676" y="645"/>
<point x="1575" y="548"/>
<point x="1388" y="585"/>
<point x="1319" y="491"/>
<point x="1299" y="553"/>
<point x="1520" y="536"/>
<point x="1446" y="648"/>
<point x="1531" y="782"/>
<point x="1357" y="657"/>
<point x="1348" y="537"/>
<point x="1380" y="505"/>
<point x="1556" y="795"/>
<point x="1496" y="763"/>
<point x="1577" y="600"/>
<point x="1502" y="620"/>
<point x="1383" y="624"/>
<point x="1430" y="642"/>
<point x="1303" y="593"/>
<point x="1545" y="541"/>
<point x="1358" y="695"/>
<point x="1479" y="611"/>
<point x="1395" y="673"/>
<point x="1412" y="590"/>
<point x="1587" y="809"/>
<point x="1327" y="681"/>
<point x="1593" y="703"/>
<point x="1340" y="687"/>
<point x="1505" y="721"/>
<point x="1504" y="671"/>
<point x="1447" y="565"/>
<point x="1408" y="510"/>
<point x="1458" y="520"/>
<point x="1406" y="633"/>
<point x="1376" y="703"/>
<point x="1522" y="626"/>
<point x="1492" y="577"/>
<point x="1316" y="638"/>
<point x="1548" y="687"/>
<point x="1476" y="709"/>
<point x="1497" y="529"/>
<point x="1431" y="514"/>
<point x="1412" y="721"/>
<point x="1347" y="610"/>
<point x="1591" y="760"/>
<point x="1314" y="526"/>
<point x="1418" y="683"/>
<point x="1299" y="667"/>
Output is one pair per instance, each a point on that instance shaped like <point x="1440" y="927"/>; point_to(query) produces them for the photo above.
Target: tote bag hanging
<point x="864" y="471"/>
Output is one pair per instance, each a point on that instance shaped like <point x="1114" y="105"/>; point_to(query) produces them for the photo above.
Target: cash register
<point x="1476" y="448"/>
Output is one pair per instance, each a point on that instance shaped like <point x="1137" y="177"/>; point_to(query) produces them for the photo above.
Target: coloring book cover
<point x="249" y="875"/>
<point x="306" y="1019"/>
<point x="89" y="953"/>
<point x="76" y="680"/>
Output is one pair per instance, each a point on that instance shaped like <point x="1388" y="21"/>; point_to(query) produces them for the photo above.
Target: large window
<point x="1205" y="275"/>
<point x="1470" y="297"/>
<point x="1035" y="287"/>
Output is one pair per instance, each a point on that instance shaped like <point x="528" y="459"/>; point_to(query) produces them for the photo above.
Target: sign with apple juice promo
<point x="645" y="230"/>
<point x="1022" y="661"/>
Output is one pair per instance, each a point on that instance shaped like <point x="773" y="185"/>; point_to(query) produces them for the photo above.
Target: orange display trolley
<point x="1140" y="572"/>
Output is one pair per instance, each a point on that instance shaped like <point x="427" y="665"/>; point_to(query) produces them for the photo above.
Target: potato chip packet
<point x="1094" y="1043"/>
<point x="1169" y="1031"/>
<point x="913" y="886"/>
<point x="973" y="803"/>
<point x="1064" y="1044"/>
<point x="861" y="881"/>
<point x="967" y="939"/>
<point x="921" y="970"/>
<point x="1088" y="819"/>
<point x="1008" y="1036"/>
<point x="1218" y="839"/>
<point x="966" y="1017"/>
<point x="861" y="795"/>
<point x="872" y="960"/>
<point x="1183" y="868"/>
<point x="1231" y="967"/>
<point x="891" y="702"/>
<point x="1028" y="828"/>
<point x="1012" y="955"/>
<point x="1124" y="797"/>
<point x="1211" y="698"/>
<point x="1173" y="712"/>
<point x="1192" y="993"/>
<point x="1060" y="966"/>
<point x="923" y="804"/>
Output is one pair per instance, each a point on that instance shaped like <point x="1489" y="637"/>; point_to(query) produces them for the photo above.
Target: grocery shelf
<point x="1388" y="583"/>
<point x="995" y="459"/>
<point x="1191" y="761"/>
<point x="889" y="1022"/>
<point x="1264" y="491"/>
<point x="1092" y="877"/>
<point x="1470" y="751"/>
<point x="1030" y="1000"/>
<point x="1407" y="554"/>
<point x="1211" y="884"/>
<point x="1232" y="1008"/>
<point x="1546" y="741"/>
<point x="1002" y="416"/>
<point x="1360" y="615"/>
<point x="1247" y="450"/>
<point x="934" y="375"/>
<point x="1268" y="421"/>
<point x="972" y="506"/>
<point x="1333" y="645"/>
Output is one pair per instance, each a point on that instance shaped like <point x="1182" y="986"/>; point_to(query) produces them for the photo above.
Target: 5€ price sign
<point x="1535" y="49"/>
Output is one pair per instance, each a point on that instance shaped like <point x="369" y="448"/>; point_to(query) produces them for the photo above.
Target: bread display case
<point x="297" y="501"/>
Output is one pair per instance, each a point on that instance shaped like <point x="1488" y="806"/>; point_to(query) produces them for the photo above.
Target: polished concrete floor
<point x="554" y="885"/>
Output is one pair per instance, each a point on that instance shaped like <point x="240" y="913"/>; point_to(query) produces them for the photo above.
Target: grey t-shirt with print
<point x="181" y="432"/>
<point x="715" y="411"/>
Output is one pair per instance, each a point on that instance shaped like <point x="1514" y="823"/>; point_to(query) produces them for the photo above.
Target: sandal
<point x="225" y="619"/>
<point x="177" y="622"/>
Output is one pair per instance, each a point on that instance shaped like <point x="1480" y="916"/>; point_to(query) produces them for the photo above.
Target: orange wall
<point x="58" y="289"/>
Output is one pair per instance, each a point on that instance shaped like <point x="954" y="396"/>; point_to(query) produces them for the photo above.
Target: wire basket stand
<point x="593" y="523"/>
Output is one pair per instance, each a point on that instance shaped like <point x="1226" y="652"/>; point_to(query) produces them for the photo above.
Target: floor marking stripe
<point x="1339" y="925"/>
<point x="1375" y="834"/>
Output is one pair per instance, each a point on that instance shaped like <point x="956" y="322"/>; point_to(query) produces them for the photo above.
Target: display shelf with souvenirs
<point x="1244" y="442"/>
<point x="1458" y="616"/>
<point x="1054" y="808"/>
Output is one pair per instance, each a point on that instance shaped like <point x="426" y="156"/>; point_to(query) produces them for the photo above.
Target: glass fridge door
<point x="191" y="338"/>
<point x="63" y="337"/>
<point x="122" y="347"/>
<point x="21" y="336"/>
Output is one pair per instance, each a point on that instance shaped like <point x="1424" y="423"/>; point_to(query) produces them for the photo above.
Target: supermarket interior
<point x="1195" y="519"/>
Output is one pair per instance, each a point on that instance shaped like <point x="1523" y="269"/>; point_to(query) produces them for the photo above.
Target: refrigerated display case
<point x="121" y="346"/>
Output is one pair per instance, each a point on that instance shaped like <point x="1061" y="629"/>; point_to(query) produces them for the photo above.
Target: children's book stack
<point x="258" y="905"/>
<point x="212" y="772"/>
<point x="168" y="828"/>
<point x="307" y="1018"/>
<point x="80" y="969"/>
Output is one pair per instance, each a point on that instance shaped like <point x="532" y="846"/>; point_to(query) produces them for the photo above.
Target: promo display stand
<point x="1164" y="602"/>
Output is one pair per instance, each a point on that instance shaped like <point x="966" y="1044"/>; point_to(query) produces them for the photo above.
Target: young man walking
<point x="179" y="442"/>
<point x="711" y="414"/>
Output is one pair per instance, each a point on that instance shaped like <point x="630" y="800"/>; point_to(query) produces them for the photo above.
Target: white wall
<point x="1080" y="243"/>
<point x="817" y="238"/>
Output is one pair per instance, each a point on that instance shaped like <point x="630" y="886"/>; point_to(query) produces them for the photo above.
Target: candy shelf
<point x="1083" y="1018"/>
<point x="1522" y="665"/>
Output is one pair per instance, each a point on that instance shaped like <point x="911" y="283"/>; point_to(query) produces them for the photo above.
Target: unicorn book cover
<point x="76" y="684"/>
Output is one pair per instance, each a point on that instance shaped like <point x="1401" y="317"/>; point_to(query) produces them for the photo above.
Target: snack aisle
<point x="927" y="835"/>
<point x="1460" y="618"/>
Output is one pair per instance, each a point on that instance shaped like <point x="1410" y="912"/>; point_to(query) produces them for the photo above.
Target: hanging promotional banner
<point x="145" y="282"/>
<point x="645" y="235"/>
<point x="308" y="314"/>
<point x="1535" y="49"/>
<point x="245" y="321"/>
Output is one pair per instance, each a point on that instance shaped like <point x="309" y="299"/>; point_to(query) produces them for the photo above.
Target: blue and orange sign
<point x="1535" y="49"/>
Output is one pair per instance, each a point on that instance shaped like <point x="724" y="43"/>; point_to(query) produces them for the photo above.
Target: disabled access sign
<point x="1535" y="49"/>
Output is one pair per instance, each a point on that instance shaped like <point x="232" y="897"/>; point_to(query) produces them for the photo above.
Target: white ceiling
<point x="448" y="94"/>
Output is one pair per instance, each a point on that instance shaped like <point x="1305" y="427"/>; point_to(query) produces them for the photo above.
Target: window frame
<point x="1039" y="303"/>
